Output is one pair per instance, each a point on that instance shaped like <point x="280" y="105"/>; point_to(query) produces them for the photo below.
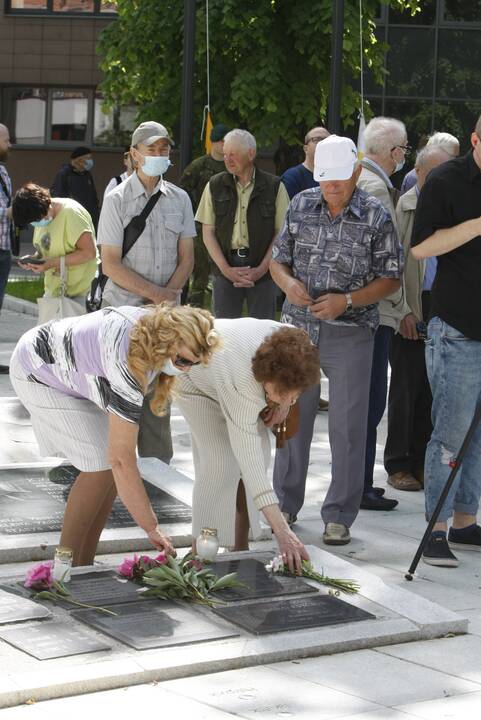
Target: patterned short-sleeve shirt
<point x="86" y="357"/>
<point x="337" y="255"/>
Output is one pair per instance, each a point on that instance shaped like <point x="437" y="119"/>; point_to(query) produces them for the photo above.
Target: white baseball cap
<point x="148" y="132"/>
<point x="334" y="159"/>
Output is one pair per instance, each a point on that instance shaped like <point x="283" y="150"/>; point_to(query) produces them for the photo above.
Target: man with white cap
<point x="161" y="260"/>
<point x="336" y="256"/>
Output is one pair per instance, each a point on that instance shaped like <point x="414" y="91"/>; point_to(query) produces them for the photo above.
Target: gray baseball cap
<point x="148" y="132"/>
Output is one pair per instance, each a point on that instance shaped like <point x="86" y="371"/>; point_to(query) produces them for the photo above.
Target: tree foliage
<point x="270" y="62"/>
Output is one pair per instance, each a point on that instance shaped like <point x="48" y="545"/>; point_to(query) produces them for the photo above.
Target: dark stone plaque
<point x="260" y="583"/>
<point x="97" y="588"/>
<point x="272" y="616"/>
<point x="34" y="501"/>
<point x="155" y="623"/>
<point x="16" y="609"/>
<point x="52" y="640"/>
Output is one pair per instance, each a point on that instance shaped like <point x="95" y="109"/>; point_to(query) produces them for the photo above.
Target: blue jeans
<point x="377" y="397"/>
<point x="5" y="263"/>
<point x="453" y="363"/>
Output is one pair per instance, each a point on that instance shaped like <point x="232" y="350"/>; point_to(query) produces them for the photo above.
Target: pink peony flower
<point x="40" y="576"/>
<point x="126" y="568"/>
<point x="161" y="559"/>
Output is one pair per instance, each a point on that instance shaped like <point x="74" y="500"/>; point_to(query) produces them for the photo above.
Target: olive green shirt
<point x="240" y="235"/>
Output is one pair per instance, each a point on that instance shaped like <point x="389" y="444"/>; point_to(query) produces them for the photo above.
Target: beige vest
<point x="413" y="269"/>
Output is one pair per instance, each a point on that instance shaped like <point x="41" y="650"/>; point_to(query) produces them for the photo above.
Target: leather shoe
<point x="404" y="481"/>
<point x="379" y="491"/>
<point x="373" y="501"/>
<point x="336" y="534"/>
<point x="4" y="369"/>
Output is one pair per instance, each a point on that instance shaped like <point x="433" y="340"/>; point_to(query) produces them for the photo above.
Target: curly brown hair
<point x="30" y="203"/>
<point x="158" y="334"/>
<point x="288" y="359"/>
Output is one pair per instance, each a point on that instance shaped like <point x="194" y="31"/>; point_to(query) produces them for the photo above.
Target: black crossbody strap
<point x="129" y="239"/>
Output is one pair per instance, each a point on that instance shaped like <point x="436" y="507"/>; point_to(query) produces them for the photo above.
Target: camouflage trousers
<point x="200" y="277"/>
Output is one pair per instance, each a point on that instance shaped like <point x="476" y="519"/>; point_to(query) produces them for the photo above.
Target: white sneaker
<point x="336" y="534"/>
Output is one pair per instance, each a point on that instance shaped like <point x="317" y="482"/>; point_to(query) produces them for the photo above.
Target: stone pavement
<point x="427" y="679"/>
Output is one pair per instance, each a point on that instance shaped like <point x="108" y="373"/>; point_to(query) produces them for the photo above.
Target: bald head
<point x="427" y="159"/>
<point x="312" y="139"/>
<point x="4" y="142"/>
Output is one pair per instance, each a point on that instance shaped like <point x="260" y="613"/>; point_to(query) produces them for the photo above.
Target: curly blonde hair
<point x="158" y="335"/>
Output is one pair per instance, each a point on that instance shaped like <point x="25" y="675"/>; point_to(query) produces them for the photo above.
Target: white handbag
<point x="56" y="308"/>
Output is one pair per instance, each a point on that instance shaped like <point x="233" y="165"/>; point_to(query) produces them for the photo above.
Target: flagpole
<point x="187" y="108"/>
<point x="335" y="89"/>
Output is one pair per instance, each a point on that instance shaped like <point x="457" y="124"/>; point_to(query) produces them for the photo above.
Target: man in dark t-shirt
<point x="300" y="177"/>
<point x="448" y="225"/>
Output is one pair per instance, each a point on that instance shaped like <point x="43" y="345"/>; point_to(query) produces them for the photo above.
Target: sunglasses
<point x="181" y="361"/>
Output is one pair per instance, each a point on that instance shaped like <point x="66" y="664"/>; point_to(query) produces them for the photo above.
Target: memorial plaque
<point x="259" y="582"/>
<point x="156" y="623"/>
<point x="53" y="640"/>
<point x="97" y="588"/>
<point x="17" y="609"/>
<point x="33" y="501"/>
<point x="272" y="616"/>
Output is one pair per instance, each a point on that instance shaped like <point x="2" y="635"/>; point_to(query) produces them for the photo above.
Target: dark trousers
<point x="5" y="264"/>
<point x="409" y="424"/>
<point x="229" y="300"/>
<point x="377" y="397"/>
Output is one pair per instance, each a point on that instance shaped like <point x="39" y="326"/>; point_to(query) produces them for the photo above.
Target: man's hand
<point x="408" y="328"/>
<point x="256" y="273"/>
<point x="296" y="293"/>
<point x="164" y="295"/>
<point x="239" y="276"/>
<point x="329" y="307"/>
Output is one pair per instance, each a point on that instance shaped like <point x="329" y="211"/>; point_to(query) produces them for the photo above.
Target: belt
<point x="242" y="252"/>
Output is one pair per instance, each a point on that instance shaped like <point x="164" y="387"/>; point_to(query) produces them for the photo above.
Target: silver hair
<point x="428" y="152"/>
<point x="241" y="137"/>
<point x="382" y="134"/>
<point x="448" y="142"/>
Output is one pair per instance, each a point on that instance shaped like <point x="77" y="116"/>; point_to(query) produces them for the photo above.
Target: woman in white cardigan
<point x="260" y="362"/>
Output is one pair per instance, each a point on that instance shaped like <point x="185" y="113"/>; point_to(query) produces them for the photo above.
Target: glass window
<point x="459" y="63"/>
<point x="113" y="128"/>
<point x="108" y="7"/>
<point x="76" y="6"/>
<point x="457" y="118"/>
<point x="69" y="115"/>
<point x="371" y="87"/>
<point x="410" y="61"/>
<point x="426" y="15"/>
<point x="462" y="11"/>
<point x="416" y="115"/>
<point x="30" y="115"/>
<point x="28" y="4"/>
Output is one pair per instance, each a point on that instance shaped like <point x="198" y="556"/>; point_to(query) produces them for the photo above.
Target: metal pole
<point x="187" y="109"/>
<point x="335" y="89"/>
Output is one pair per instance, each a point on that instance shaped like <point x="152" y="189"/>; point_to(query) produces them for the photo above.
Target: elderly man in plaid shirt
<point x="6" y="226"/>
<point x="336" y="256"/>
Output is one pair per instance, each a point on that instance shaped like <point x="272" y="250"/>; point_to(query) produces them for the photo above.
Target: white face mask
<point x="399" y="166"/>
<point x="169" y="368"/>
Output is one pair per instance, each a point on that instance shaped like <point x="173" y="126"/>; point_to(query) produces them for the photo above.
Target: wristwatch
<point x="348" y="297"/>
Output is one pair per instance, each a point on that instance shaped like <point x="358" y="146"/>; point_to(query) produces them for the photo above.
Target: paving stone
<point x="452" y="708"/>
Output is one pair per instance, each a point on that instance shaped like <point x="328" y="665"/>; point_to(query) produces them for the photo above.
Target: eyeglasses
<point x="316" y="139"/>
<point x="406" y="148"/>
<point x="181" y="361"/>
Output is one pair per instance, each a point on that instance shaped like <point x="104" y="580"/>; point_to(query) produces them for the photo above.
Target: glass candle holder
<point x="207" y="544"/>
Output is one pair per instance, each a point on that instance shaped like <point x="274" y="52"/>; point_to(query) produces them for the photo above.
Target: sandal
<point x="404" y="481"/>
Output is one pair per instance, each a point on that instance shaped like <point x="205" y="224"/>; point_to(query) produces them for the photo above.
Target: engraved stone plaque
<point x="259" y="582"/>
<point x="48" y="640"/>
<point x="16" y="609"/>
<point x="272" y="616"/>
<point x="156" y="623"/>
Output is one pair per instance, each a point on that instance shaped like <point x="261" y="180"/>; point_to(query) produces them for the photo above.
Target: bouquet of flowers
<point x="170" y="578"/>
<point x="351" y="587"/>
<point x="40" y="579"/>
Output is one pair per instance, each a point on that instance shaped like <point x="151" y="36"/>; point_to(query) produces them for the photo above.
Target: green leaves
<point x="269" y="67"/>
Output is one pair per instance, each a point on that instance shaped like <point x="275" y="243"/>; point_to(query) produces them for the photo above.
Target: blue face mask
<point x="41" y="223"/>
<point x="155" y="165"/>
<point x="88" y="164"/>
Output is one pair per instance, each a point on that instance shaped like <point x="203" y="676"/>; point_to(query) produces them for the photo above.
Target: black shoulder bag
<point x="132" y="232"/>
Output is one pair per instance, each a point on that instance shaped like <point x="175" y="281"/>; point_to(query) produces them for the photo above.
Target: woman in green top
<point x="63" y="228"/>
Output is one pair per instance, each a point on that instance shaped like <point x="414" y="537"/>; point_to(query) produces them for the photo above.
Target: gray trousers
<point x="345" y="356"/>
<point x="229" y="300"/>
<point x="155" y="439"/>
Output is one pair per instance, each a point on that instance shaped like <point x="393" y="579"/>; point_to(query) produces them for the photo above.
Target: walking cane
<point x="455" y="465"/>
